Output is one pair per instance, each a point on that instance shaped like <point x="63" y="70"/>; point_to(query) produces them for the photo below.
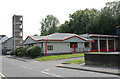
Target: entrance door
<point x="73" y="45"/>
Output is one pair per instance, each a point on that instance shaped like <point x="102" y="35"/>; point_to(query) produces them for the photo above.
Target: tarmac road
<point x="32" y="68"/>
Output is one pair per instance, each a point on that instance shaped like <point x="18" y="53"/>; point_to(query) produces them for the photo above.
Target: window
<point x="50" y="47"/>
<point x="86" y="44"/>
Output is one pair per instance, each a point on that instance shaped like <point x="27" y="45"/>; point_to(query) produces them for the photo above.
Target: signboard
<point x="118" y="31"/>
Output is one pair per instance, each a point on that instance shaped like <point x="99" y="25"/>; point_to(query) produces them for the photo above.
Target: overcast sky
<point x="35" y="10"/>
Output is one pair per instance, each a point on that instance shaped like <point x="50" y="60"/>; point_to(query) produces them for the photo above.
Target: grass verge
<point x="78" y="61"/>
<point x="55" y="57"/>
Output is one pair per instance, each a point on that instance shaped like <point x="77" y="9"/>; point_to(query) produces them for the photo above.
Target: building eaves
<point x="7" y="39"/>
<point x="102" y="35"/>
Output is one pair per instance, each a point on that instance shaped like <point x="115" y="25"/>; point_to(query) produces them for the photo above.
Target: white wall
<point x="62" y="47"/>
<point x="65" y="47"/>
<point x="59" y="48"/>
<point x="80" y="47"/>
<point x="38" y="44"/>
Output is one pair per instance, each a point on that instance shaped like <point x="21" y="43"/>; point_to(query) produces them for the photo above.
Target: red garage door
<point x="94" y="47"/>
<point x="103" y="46"/>
<point x="111" y="45"/>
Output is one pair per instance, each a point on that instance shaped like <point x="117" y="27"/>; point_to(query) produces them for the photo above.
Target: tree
<point x="109" y="18"/>
<point x="64" y="28"/>
<point x="82" y="21"/>
<point x="94" y="21"/>
<point x="35" y="34"/>
<point x="49" y="25"/>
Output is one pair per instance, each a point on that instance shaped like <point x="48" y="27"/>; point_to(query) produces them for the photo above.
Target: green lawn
<point x="78" y="61"/>
<point x="55" y="57"/>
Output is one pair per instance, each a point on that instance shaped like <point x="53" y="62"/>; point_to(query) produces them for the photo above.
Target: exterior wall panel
<point x="38" y="44"/>
<point x="65" y="48"/>
<point x="59" y="48"/>
<point x="7" y="45"/>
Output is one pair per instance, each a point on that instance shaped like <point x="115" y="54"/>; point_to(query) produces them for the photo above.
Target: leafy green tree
<point x="94" y="21"/>
<point x="109" y="18"/>
<point x="49" y="25"/>
<point x="36" y="35"/>
<point x="64" y="28"/>
<point x="82" y="21"/>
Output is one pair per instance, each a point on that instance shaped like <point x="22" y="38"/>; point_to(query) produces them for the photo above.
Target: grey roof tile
<point x="57" y="36"/>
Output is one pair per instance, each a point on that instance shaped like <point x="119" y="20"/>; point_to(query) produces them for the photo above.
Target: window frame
<point x="49" y="47"/>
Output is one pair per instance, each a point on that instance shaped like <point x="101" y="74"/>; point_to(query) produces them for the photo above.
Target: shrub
<point x="20" y="54"/>
<point x="34" y="51"/>
<point x="19" y="49"/>
<point x="24" y="50"/>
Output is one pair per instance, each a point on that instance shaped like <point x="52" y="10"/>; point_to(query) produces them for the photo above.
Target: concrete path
<point x="101" y="69"/>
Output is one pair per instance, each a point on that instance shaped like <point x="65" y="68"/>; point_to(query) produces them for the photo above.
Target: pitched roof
<point x="3" y="39"/>
<point x="6" y="39"/>
<point x="57" y="37"/>
<point x="37" y="37"/>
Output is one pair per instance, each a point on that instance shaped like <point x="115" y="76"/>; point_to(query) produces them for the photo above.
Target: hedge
<point x="19" y="49"/>
<point x="34" y="51"/>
